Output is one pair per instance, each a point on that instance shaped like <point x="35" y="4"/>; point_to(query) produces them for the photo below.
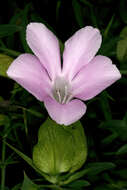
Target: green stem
<point x="3" y="170"/>
<point x="10" y="52"/>
<point x="25" y="122"/>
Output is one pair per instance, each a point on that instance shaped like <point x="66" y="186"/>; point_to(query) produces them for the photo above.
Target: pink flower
<point x="62" y="87"/>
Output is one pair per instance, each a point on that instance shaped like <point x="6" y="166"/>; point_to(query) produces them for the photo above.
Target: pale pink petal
<point x="65" y="113"/>
<point x="94" y="78"/>
<point x="45" y="46"/>
<point x="30" y="74"/>
<point x="80" y="49"/>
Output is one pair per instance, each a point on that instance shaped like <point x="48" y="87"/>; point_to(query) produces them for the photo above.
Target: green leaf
<point x="108" y="47"/>
<point x="26" y="158"/>
<point x="14" y="20"/>
<point x="24" y="22"/>
<point x="78" y="13"/>
<point x="58" y="9"/>
<point x="96" y="168"/>
<point x="28" y="184"/>
<point x="5" y="62"/>
<point x="79" y="184"/>
<point x="110" y="138"/>
<point x="16" y="187"/>
<point x="123" y="10"/>
<point x="4" y="120"/>
<point x="122" y="173"/>
<point x="118" y="127"/>
<point x="59" y="149"/>
<point x="10" y="52"/>
<point x="8" y="29"/>
<point x="5" y="188"/>
<point x="92" y="169"/>
<point x="105" y="106"/>
<point x="85" y="2"/>
<point x="106" y="32"/>
<point x="122" y="47"/>
<point x="122" y="150"/>
<point x="105" y="187"/>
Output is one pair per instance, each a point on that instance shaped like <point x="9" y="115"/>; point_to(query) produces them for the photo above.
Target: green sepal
<point x="59" y="148"/>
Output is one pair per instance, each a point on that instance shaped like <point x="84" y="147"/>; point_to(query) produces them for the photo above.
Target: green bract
<point x="60" y="149"/>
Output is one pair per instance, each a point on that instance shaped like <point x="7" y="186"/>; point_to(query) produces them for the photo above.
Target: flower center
<point x="61" y="90"/>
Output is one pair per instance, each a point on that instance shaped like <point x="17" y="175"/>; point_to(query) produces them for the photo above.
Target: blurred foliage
<point x="21" y="114"/>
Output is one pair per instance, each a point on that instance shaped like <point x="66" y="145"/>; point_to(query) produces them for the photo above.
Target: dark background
<point x="107" y="113"/>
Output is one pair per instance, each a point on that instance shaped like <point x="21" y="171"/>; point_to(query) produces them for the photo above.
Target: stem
<point x="10" y="52"/>
<point x="25" y="122"/>
<point x="3" y="170"/>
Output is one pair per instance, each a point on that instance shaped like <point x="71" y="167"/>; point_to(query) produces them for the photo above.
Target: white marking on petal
<point x="62" y="90"/>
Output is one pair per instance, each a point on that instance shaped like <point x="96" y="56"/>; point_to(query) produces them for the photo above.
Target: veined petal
<point x="45" y="46"/>
<point x="30" y="74"/>
<point x="80" y="49"/>
<point x="94" y="78"/>
<point x="65" y="113"/>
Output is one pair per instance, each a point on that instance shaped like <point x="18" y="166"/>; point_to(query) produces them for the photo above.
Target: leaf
<point x="16" y="187"/>
<point x="58" y="9"/>
<point x="122" y="150"/>
<point x="14" y="20"/>
<point x="5" y="188"/>
<point x="26" y="158"/>
<point x="59" y="149"/>
<point x="28" y="184"/>
<point x="8" y="29"/>
<point x="5" y="62"/>
<point x="105" y="106"/>
<point x="4" y="120"/>
<point x="92" y="169"/>
<point x="96" y="168"/>
<point x="110" y="138"/>
<point x="123" y="10"/>
<point x="117" y="126"/>
<point x="108" y="47"/>
<point x="79" y="184"/>
<point x="78" y="13"/>
<point x="122" y="173"/>
<point x="105" y="187"/>
<point x="122" y="47"/>
<point x="85" y="2"/>
<point x="24" y="23"/>
<point x="106" y="32"/>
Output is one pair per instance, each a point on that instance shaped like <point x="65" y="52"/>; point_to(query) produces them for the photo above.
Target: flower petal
<point x="80" y="49"/>
<point x="45" y="46"/>
<point x="29" y="73"/>
<point x="65" y="113"/>
<point x="95" y="77"/>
